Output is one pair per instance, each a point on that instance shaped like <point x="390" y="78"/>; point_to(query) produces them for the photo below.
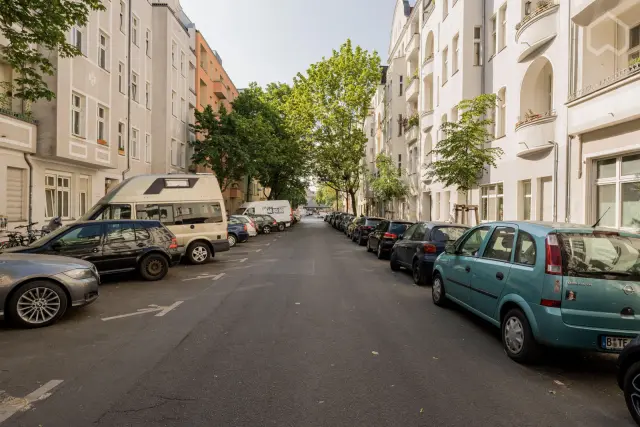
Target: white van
<point x="190" y="206"/>
<point x="280" y="210"/>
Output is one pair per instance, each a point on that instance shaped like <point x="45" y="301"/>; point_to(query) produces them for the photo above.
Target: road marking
<point x="168" y="309"/>
<point x="11" y="405"/>
<point x="258" y="250"/>
<point x="234" y="260"/>
<point x="218" y="277"/>
<point x="153" y="308"/>
<point x="202" y="276"/>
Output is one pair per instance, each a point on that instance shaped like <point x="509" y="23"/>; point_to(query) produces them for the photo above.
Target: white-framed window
<point x="634" y="43"/>
<point x="183" y="110"/>
<point x="103" y="51"/>
<point x="443" y="120"/>
<point x="103" y="123"/>
<point x="174" y="152"/>
<point x="456" y="54"/>
<point x="182" y="154"/>
<point x="57" y="192"/>
<point x="134" y="87"/>
<point x="477" y="46"/>
<point x="135" y="146"/>
<point x="503" y="27"/>
<point x="147" y="96"/>
<point x="445" y="9"/>
<point x="78" y="39"/>
<point x="437" y="212"/>
<point x="445" y="65"/>
<point x="401" y="85"/>
<point x="617" y="191"/>
<point x="78" y="103"/>
<point x="134" y="29"/>
<point x="493" y="126"/>
<point x="525" y="188"/>
<point x="84" y="191"/>
<point x="147" y="148"/>
<point x="121" y="82"/>
<point x="173" y="103"/>
<point x="121" y="137"/>
<point x="492" y="206"/>
<point x="494" y="35"/>
<point x="183" y="64"/>
<point x="15" y="194"/>
<point x="123" y="16"/>
<point x="147" y="43"/>
<point x="502" y="112"/>
<point x="174" y="48"/>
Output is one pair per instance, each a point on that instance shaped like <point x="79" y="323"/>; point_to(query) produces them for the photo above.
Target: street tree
<point x="326" y="196"/>
<point x="387" y="183"/>
<point x="35" y="29"/>
<point x="334" y="96"/>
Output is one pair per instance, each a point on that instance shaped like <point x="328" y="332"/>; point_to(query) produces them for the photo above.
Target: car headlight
<point x="80" y="273"/>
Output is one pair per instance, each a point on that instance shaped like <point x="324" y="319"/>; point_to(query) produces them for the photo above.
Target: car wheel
<point x="631" y="389"/>
<point x="281" y="227"/>
<point x="37" y="304"/>
<point x="517" y="338"/>
<point x="416" y="272"/>
<point x="198" y="253"/>
<point x="438" y="293"/>
<point x="379" y="252"/>
<point x="369" y="247"/>
<point x="360" y="241"/>
<point x="232" y="240"/>
<point x="393" y="262"/>
<point x="266" y="229"/>
<point x="154" y="267"/>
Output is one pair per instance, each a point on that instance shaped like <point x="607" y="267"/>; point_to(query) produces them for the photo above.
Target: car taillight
<point x="550" y="303"/>
<point x="390" y="236"/>
<point x="275" y="222"/>
<point x="244" y="227"/>
<point x="174" y="243"/>
<point x="429" y="248"/>
<point x="554" y="255"/>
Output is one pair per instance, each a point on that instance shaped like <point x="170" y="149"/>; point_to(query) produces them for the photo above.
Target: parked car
<point x="279" y="209"/>
<point x="113" y="246"/>
<point x="629" y="377"/>
<point x="36" y="290"/>
<point x="236" y="232"/>
<point x="251" y="225"/>
<point x="560" y="285"/>
<point x="384" y="236"/>
<point x="346" y="220"/>
<point x="265" y="223"/>
<point x="419" y="246"/>
<point x="364" y="226"/>
<point x="335" y="220"/>
<point x="351" y="227"/>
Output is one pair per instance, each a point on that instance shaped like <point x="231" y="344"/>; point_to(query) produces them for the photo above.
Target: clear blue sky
<point x="272" y="40"/>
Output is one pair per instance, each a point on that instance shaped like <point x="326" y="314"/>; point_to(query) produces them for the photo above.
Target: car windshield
<point x="447" y="234"/>
<point x="373" y="222"/>
<point x="594" y="254"/>
<point x="49" y="237"/>
<point x="398" y="227"/>
<point x="240" y="211"/>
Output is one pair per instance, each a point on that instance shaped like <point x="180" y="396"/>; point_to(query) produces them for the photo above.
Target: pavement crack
<point x="177" y="399"/>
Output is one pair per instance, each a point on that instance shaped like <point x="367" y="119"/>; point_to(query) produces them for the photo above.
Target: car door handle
<point x="467" y="269"/>
<point x="499" y="275"/>
<point x="140" y="244"/>
<point x="95" y="250"/>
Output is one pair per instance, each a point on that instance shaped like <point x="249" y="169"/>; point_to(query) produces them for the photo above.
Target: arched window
<point x="536" y="93"/>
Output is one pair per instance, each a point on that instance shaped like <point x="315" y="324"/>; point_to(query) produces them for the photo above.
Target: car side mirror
<point x="450" y="249"/>
<point x="56" y="245"/>
<point x="400" y="236"/>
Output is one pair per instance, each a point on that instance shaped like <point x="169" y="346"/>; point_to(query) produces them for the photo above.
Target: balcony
<point x="411" y="134"/>
<point x="426" y="121"/>
<point x="427" y="66"/>
<point x="220" y="90"/>
<point x="585" y="12"/>
<point x="17" y="131"/>
<point x="537" y="28"/>
<point x="411" y="94"/>
<point x="413" y="47"/>
<point x="535" y="131"/>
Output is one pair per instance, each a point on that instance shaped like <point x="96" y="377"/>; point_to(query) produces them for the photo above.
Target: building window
<point x="15" y="194"/>
<point x="123" y="14"/>
<point x="135" y="147"/>
<point x="78" y="103"/>
<point x="183" y="64"/>
<point x="445" y="65"/>
<point x="79" y="39"/>
<point x="445" y="9"/>
<point x="454" y="115"/>
<point x="134" y="87"/>
<point x="174" y="48"/>
<point x="182" y="154"/>
<point x="526" y="200"/>
<point x="437" y="212"/>
<point x="399" y="164"/>
<point x="83" y="194"/>
<point x="102" y="125"/>
<point x="617" y="192"/>
<point x="175" y="157"/>
<point x="147" y="43"/>
<point x="147" y="148"/>
<point x="103" y="52"/>
<point x="57" y="191"/>
<point x="456" y="53"/>
<point x="634" y="43"/>
<point x="492" y="202"/>
<point x="503" y="27"/>
<point x="173" y="103"/>
<point x="502" y="112"/>
<point x="183" y="110"/>
<point x="121" y="131"/>
<point x="443" y="134"/>
<point x="494" y="35"/>
<point x="477" y="46"/>
<point x="401" y="85"/>
<point x="121" y="77"/>
<point x="400" y="124"/>
<point x="147" y="96"/>
<point x="134" y="30"/>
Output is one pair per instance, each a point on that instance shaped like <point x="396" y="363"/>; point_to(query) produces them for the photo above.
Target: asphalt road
<point x="301" y="328"/>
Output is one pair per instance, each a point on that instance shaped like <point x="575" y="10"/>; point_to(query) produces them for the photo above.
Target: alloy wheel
<point x="416" y="272"/>
<point x="635" y="396"/>
<point x="437" y="289"/>
<point x="514" y="335"/>
<point x="232" y="240"/>
<point x="38" y="305"/>
<point x="200" y="254"/>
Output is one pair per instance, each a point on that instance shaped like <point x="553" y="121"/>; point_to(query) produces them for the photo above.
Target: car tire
<point x="266" y="229"/>
<point x="281" y="227"/>
<point x="393" y="262"/>
<point x="360" y="241"/>
<point x="438" y="293"/>
<point x="50" y="294"/>
<point x="515" y="327"/>
<point x="369" y="247"/>
<point x="379" y="253"/>
<point x="417" y="274"/>
<point x="232" y="239"/>
<point x="631" y="377"/>
<point x="198" y="253"/>
<point x="153" y="267"/>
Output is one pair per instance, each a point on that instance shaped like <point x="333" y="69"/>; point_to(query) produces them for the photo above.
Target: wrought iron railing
<point x="541" y="7"/>
<point x="614" y="78"/>
<point x="531" y="117"/>
<point x="25" y="117"/>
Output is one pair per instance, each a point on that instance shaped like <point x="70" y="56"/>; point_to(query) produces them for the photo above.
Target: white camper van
<point x="190" y="206"/>
<point x="280" y="210"/>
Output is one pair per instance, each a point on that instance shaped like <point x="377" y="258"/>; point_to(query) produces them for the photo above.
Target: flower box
<point x="103" y="142"/>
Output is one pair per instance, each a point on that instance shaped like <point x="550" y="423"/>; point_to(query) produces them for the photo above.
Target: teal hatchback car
<point x="546" y="284"/>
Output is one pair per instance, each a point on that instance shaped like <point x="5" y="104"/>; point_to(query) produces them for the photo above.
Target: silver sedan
<point x="36" y="290"/>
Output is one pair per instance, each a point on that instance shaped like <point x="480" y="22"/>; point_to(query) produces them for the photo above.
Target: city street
<point x="300" y="328"/>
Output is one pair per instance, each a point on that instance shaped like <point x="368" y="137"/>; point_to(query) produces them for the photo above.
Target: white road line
<point x="235" y="260"/>
<point x="137" y="313"/>
<point x="11" y="405"/>
<point x="168" y="309"/>
<point x="204" y="276"/>
<point x="258" y="250"/>
<point x="218" y="277"/>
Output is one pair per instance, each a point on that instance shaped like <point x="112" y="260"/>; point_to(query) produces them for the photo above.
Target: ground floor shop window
<point x="617" y="191"/>
<point x="57" y="193"/>
<point x="492" y="207"/>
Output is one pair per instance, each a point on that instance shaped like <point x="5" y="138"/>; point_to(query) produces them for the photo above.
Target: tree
<point x="462" y="155"/>
<point x="326" y="196"/>
<point x="34" y="28"/>
<point x="334" y="98"/>
<point x="219" y="146"/>
<point x="387" y="183"/>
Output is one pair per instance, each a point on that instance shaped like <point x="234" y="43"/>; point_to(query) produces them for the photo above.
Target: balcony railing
<point x="620" y="75"/>
<point x="532" y="118"/>
<point x="25" y="117"/>
<point x="541" y="7"/>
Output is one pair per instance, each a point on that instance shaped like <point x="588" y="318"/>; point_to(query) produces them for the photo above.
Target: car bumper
<point x="552" y="331"/>
<point x="82" y="291"/>
<point x="386" y="246"/>
<point x="220" y="245"/>
<point x="175" y="258"/>
<point x="243" y="237"/>
<point x="253" y="233"/>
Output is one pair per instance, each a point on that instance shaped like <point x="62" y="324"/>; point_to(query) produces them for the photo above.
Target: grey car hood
<point x="22" y="265"/>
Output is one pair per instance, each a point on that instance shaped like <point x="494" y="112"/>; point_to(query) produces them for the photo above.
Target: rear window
<point x="373" y="222"/>
<point x="600" y="254"/>
<point x="398" y="228"/>
<point x="447" y="234"/>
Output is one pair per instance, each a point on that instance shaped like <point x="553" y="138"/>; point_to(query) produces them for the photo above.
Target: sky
<point x="272" y="40"/>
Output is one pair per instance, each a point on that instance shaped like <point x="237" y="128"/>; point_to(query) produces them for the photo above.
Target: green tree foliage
<point x="463" y="154"/>
<point x="35" y="29"/>
<point x="326" y="196"/>
<point x="332" y="101"/>
<point x="387" y="184"/>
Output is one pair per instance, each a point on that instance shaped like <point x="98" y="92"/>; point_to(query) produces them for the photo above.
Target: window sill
<point x="83" y="138"/>
<point x="121" y="152"/>
<point x="104" y="69"/>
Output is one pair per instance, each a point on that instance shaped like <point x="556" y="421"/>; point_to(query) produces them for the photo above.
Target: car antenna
<point x="600" y="219"/>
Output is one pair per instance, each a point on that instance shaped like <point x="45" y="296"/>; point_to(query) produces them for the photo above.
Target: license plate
<point x="614" y="343"/>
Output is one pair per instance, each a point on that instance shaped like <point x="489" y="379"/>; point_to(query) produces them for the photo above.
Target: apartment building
<point x="111" y="117"/>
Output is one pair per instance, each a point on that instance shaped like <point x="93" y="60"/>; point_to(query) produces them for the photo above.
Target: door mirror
<point x="400" y="236"/>
<point x="57" y="245"/>
<point x="450" y="249"/>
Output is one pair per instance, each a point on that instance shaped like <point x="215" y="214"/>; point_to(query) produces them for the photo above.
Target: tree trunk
<point x="337" y="200"/>
<point x="353" y="202"/>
